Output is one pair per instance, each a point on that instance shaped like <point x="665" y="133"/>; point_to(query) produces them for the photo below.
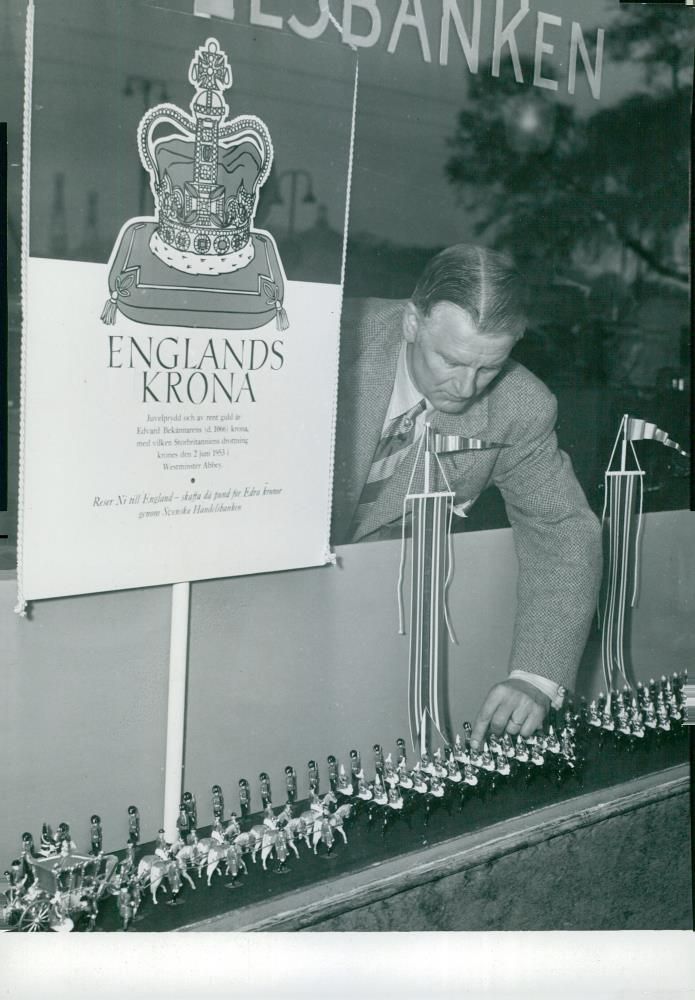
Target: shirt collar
<point x="405" y="393"/>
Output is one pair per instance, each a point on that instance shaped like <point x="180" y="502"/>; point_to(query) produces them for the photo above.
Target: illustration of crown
<point x="205" y="177"/>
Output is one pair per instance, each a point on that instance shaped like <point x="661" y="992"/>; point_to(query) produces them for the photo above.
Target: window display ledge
<point x="568" y="861"/>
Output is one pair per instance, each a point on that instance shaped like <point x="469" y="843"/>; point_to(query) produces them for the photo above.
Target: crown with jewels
<point x="206" y="176"/>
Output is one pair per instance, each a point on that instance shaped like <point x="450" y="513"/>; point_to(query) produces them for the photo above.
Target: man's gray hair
<point x="483" y="282"/>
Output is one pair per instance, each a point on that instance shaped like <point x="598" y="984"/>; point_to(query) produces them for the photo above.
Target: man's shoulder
<point x="520" y="380"/>
<point x="368" y="324"/>
<point x="371" y="310"/>
<point x="522" y="396"/>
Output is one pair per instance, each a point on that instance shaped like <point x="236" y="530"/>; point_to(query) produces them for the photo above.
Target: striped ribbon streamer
<point x="641" y="430"/>
<point x="621" y="504"/>
<point x="431" y="571"/>
<point x="444" y="443"/>
<point x="621" y="485"/>
<point x="429" y="575"/>
<point x="623" y="547"/>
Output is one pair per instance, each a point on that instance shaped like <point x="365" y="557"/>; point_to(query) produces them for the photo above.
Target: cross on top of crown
<point x="210" y="69"/>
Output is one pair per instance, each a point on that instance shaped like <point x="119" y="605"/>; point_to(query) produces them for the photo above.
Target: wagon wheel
<point x="36" y="916"/>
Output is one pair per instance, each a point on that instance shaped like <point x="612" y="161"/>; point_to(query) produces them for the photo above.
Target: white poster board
<point x="179" y="399"/>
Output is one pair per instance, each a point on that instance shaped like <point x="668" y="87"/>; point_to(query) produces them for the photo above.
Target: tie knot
<point x="407" y="419"/>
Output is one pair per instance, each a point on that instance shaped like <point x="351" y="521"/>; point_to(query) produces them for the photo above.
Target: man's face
<point x="449" y="361"/>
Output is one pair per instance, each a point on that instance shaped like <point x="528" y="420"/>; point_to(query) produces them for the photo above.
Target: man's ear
<point x="411" y="322"/>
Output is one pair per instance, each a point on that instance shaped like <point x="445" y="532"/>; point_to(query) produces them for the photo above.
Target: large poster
<point x="180" y="362"/>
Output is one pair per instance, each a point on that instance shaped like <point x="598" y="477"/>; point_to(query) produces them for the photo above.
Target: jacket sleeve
<point x="558" y="545"/>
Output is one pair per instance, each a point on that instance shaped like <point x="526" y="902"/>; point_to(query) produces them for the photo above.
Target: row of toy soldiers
<point x="187" y="821"/>
<point x="61" y="841"/>
<point x="457" y="764"/>
<point x="660" y="705"/>
<point x="658" y="708"/>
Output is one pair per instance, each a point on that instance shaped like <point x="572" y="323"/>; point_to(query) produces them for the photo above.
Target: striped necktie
<point x="395" y="441"/>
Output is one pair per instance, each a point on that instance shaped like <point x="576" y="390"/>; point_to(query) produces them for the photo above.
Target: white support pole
<point x="176" y="708"/>
<point x="623" y="444"/>
<point x="427" y="458"/>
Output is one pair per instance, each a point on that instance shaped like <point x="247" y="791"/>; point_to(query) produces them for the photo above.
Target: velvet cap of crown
<point x="205" y="175"/>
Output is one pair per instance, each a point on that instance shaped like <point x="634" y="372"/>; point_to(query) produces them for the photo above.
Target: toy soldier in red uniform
<point x="291" y="783"/>
<point x="235" y="865"/>
<point x="175" y="883"/>
<point x="332" y="773"/>
<point x="95" y="834"/>
<point x="232" y="829"/>
<point x="217" y="802"/>
<point x="133" y="825"/>
<point x="126" y="906"/>
<point x="189" y="804"/>
<point x="244" y="797"/>
<point x="162" y="849"/>
<point x="266" y="796"/>
<point x="130" y="855"/>
<point x="313" y="776"/>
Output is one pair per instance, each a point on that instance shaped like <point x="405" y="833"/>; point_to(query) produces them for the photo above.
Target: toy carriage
<point x="64" y="893"/>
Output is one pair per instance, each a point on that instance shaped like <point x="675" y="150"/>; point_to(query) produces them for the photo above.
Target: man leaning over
<point x="443" y="358"/>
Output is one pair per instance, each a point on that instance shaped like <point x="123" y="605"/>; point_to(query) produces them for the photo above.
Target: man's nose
<point x="464" y="384"/>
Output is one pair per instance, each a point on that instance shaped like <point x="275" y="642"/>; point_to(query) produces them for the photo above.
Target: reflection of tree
<point x="594" y="207"/>
<point x="661" y="39"/>
<point x="547" y="184"/>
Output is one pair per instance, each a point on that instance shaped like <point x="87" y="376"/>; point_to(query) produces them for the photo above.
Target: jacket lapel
<point x="389" y="505"/>
<point x="377" y="386"/>
<point x="368" y="384"/>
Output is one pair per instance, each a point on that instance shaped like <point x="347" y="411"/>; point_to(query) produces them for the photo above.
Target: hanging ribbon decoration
<point x="623" y="488"/>
<point x="431" y="570"/>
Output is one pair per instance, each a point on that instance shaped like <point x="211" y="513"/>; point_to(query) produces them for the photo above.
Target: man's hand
<point x="513" y="706"/>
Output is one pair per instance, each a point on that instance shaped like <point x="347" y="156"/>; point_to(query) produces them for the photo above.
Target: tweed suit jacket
<point x="556" y="535"/>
